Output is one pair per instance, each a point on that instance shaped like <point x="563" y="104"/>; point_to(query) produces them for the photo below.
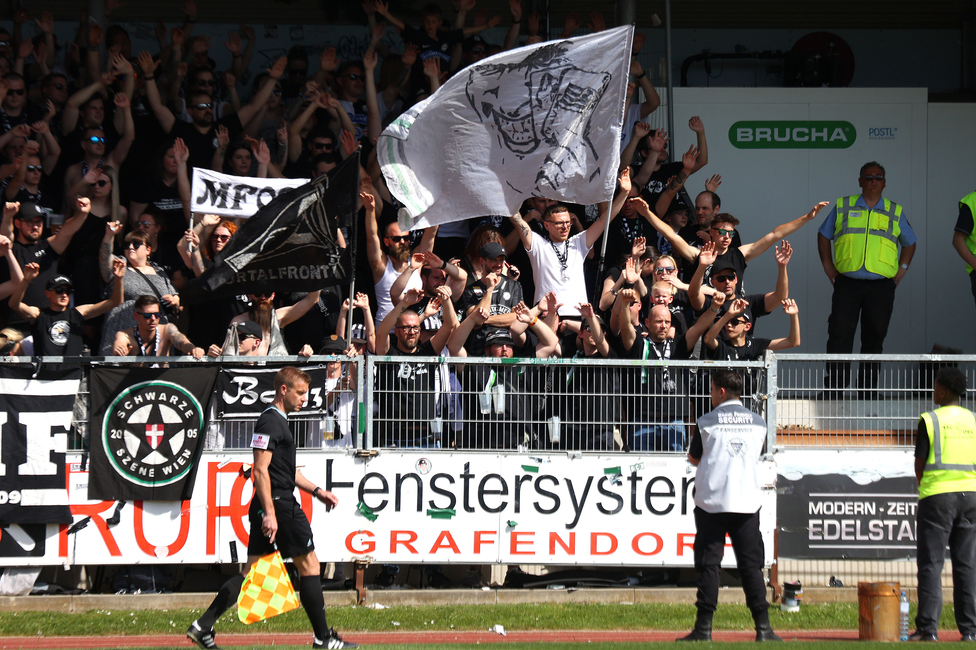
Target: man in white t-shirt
<point x="557" y="261"/>
<point x="726" y="449"/>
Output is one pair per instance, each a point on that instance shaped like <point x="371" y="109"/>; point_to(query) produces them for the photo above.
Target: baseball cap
<point x="29" y="211"/>
<point x="722" y="265"/>
<point x="493" y="249"/>
<point x="677" y="205"/>
<point x="499" y="335"/>
<point x="59" y="281"/>
<point x="248" y="328"/>
<point x="333" y="344"/>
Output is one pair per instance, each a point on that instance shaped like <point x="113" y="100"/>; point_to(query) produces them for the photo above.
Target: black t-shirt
<point x="406" y="389"/>
<point x="166" y="200"/>
<point x="732" y="257"/>
<point x="755" y="310"/>
<point x="659" y="393"/>
<point x="504" y="298"/>
<point x="203" y="145"/>
<point x="658" y="181"/>
<point x="623" y="232"/>
<point x="47" y="258"/>
<point x="921" y="441"/>
<point x="751" y="350"/>
<point x="273" y="434"/>
<point x="58" y="333"/>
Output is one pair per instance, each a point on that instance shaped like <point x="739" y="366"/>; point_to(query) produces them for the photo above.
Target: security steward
<point x="866" y="266"/>
<point x="945" y="466"/>
<point x="726" y="448"/>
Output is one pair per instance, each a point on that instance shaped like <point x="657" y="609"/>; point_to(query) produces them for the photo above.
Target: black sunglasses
<point x="355" y="77"/>
<point x="727" y="277"/>
<point x="202" y="106"/>
<point x="17" y="91"/>
<point x="328" y="146"/>
<point x="149" y="315"/>
<point x="399" y="239"/>
<point x="96" y="140"/>
<point x="34" y="168"/>
<point x="63" y="291"/>
<point x="99" y="183"/>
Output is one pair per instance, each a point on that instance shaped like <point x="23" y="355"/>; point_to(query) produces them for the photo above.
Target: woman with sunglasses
<point x="143" y="279"/>
<point x="80" y="260"/>
<point x="26" y="183"/>
<point x="199" y="247"/>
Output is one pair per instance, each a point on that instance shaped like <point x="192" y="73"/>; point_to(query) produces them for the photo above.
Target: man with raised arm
<point x="557" y="260"/>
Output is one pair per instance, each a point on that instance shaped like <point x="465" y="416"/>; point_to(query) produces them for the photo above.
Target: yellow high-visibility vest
<point x="867" y="238"/>
<point x="951" y="465"/>
<point x="970" y="200"/>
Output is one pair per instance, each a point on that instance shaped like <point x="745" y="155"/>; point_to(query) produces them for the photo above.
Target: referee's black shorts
<point x="294" y="536"/>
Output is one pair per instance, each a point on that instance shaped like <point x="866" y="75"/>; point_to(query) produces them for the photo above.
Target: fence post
<point x="367" y="403"/>
<point x="772" y="388"/>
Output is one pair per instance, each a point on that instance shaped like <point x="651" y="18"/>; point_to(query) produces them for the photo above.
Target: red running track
<point x="421" y="637"/>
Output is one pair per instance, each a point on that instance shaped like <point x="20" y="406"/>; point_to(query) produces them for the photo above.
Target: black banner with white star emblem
<point x="147" y="428"/>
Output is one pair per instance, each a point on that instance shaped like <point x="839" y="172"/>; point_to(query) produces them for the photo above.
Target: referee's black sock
<point x="310" y="589"/>
<point x="226" y="597"/>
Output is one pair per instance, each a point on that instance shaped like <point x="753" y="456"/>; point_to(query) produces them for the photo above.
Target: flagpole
<point x="352" y="241"/>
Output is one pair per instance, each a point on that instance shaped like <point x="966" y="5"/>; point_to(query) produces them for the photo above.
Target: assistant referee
<point x="276" y="517"/>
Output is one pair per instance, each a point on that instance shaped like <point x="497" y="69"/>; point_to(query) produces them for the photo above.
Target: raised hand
<point x="223" y="136"/>
<point x="738" y="306"/>
<point x="789" y="307"/>
<point x="707" y="256"/>
<point x="783" y="253"/>
<point x="417" y="260"/>
<point x="233" y="43"/>
<point x="147" y="64"/>
<point x="515" y="7"/>
<point x="348" y="142"/>
<point x="597" y="22"/>
<point x="695" y="124"/>
<point x="641" y="129"/>
<point x="816" y="209"/>
<point x="433" y="261"/>
<point x="31" y="271"/>
<point x="409" y="56"/>
<point x="585" y="309"/>
<point x="689" y="158"/>
<point x="83" y="205"/>
<point x="712" y="183"/>
<point x="328" y="61"/>
<point x="572" y="23"/>
<point x="369" y="201"/>
<point x="181" y="151"/>
<point x="278" y="69"/>
<point x="624" y="180"/>
<point x="638" y="248"/>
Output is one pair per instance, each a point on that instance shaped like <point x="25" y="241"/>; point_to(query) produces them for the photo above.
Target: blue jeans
<point x="659" y="437"/>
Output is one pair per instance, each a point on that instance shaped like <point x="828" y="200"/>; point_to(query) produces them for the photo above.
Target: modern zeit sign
<point x="419" y="507"/>
<point x="792" y="134"/>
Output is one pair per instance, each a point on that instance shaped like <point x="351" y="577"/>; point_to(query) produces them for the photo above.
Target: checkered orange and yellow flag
<point x="267" y="591"/>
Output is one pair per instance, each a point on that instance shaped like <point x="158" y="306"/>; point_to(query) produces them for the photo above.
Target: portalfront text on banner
<point x="35" y="418"/>
<point x="541" y="120"/>
<point x="422" y="507"/>
<point x="235" y="196"/>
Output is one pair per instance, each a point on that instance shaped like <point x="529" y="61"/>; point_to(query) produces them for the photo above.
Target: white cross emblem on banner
<point x="154" y="434"/>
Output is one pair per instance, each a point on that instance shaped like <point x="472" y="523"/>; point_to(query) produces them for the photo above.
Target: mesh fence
<point x="606" y="406"/>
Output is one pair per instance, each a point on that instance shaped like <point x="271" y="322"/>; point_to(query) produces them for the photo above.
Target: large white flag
<point x="541" y="120"/>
